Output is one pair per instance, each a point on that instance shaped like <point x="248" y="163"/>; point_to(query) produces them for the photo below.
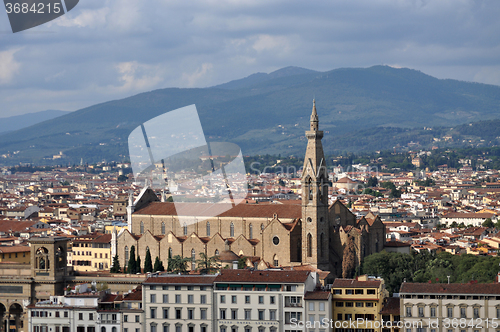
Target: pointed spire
<point x="314" y="117"/>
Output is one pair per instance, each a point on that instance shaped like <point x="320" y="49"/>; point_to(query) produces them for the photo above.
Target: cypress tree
<point x="138" y="268"/>
<point x="116" y="265"/>
<point x="148" y="264"/>
<point x="131" y="262"/>
<point x="158" y="265"/>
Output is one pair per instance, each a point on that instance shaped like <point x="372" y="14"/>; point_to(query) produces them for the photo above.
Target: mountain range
<point x="360" y="109"/>
<point x="17" y="122"/>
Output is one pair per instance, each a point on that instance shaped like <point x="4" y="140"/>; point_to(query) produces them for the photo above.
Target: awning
<point x="274" y="286"/>
<point x="260" y="286"/>
<point x="222" y="285"/>
<point x="247" y="286"/>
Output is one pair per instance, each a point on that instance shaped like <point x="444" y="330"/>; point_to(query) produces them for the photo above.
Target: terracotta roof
<point x="136" y="295"/>
<point x="391" y="306"/>
<point x="8" y="226"/>
<point x="317" y="295"/>
<point x="353" y="283"/>
<point x="262" y="276"/>
<point x="470" y="288"/>
<point x="289" y="211"/>
<point x="8" y="249"/>
<point x="181" y="279"/>
<point x="228" y="255"/>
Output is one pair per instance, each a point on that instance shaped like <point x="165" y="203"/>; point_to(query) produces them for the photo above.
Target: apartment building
<point x="178" y="303"/>
<point x="91" y="252"/>
<point x="471" y="307"/>
<point x="358" y="300"/>
<point x="232" y="301"/>
<point x="318" y="310"/>
<point x="132" y="312"/>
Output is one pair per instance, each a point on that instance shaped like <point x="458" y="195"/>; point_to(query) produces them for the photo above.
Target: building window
<point x="231" y="230"/>
<point x="163" y="228"/>
<point x="178" y="328"/>
<point x="177" y="298"/>
<point x="165" y="327"/>
<point x="223" y="299"/>
<point x="275" y="260"/>
<point x="165" y="298"/>
<point x="203" y="299"/>
<point x="462" y="312"/>
<point x="309" y="245"/>
<point x="261" y="227"/>
<point x="222" y="314"/>
<point x="80" y="316"/>
<point x="152" y="298"/>
<point x="142" y="228"/>
<point x="476" y="313"/>
<point x="152" y="313"/>
<point x="261" y="314"/>
<point x="449" y="312"/>
<point x="178" y="313"/>
<point x="261" y="299"/>
<point x="193" y="259"/>
<point x="247" y="299"/>
<point x="322" y="306"/>
<point x="203" y="313"/>
<point x="359" y="304"/>
<point x="91" y="316"/>
<point x="250" y="231"/>
<point x="137" y="318"/>
<point x="234" y="313"/>
<point x="311" y="306"/>
<point x="271" y="300"/>
<point x="408" y="311"/>
<point x="272" y="314"/>
<point x="208" y="228"/>
<point x="248" y="314"/>
<point x="165" y="313"/>
<point x="233" y="299"/>
<point x="190" y="313"/>
<point x="190" y="298"/>
<point x="420" y="312"/>
<point x="433" y="311"/>
<point x="185" y="229"/>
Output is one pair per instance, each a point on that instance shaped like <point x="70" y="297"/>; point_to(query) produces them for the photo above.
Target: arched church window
<point x="142" y="228"/>
<point x="231" y="230"/>
<point x="261" y="227"/>
<point x="170" y="252"/>
<point x="250" y="231"/>
<point x="216" y="252"/>
<point x="163" y="228"/>
<point x="309" y="245"/>
<point x="193" y="259"/>
<point x="185" y="229"/>
<point x="275" y="260"/>
<point x="126" y="255"/>
<point x="208" y="228"/>
<point x="310" y="189"/>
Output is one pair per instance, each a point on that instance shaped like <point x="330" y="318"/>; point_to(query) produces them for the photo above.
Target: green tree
<point x="242" y="262"/>
<point x="131" y="268"/>
<point x="148" y="263"/>
<point x="122" y="178"/>
<point x="179" y="264"/>
<point x="208" y="265"/>
<point x="488" y="223"/>
<point x="158" y="265"/>
<point x="115" y="268"/>
<point x="138" y="268"/>
<point x="372" y="182"/>
<point x="169" y="262"/>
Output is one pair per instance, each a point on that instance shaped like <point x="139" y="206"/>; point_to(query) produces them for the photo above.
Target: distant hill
<point x="360" y="109"/>
<point x="13" y="123"/>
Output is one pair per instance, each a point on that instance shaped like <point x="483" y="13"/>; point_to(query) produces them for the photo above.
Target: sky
<point x="110" y="49"/>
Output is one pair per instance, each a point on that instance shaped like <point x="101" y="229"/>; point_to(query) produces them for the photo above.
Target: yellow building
<point x="92" y="252"/>
<point x="17" y="254"/>
<point x="357" y="304"/>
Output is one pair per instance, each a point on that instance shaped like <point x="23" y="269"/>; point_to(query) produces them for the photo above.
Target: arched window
<point x="250" y="231"/>
<point x="261" y="227"/>
<point x="185" y="229"/>
<point x="321" y="253"/>
<point x="103" y="329"/>
<point x="231" y="230"/>
<point x="163" y="228"/>
<point x="113" y="329"/>
<point x="275" y="260"/>
<point x="309" y="245"/>
<point x="193" y="259"/>
<point x="216" y="252"/>
<point x="309" y="187"/>
<point x="126" y="256"/>
<point x="169" y="252"/>
<point x="142" y="228"/>
<point x="208" y="228"/>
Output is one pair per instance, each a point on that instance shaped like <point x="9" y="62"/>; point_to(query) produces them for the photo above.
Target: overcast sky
<point x="110" y="49"/>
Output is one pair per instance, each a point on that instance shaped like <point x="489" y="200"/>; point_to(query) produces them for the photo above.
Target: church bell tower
<point x="315" y="199"/>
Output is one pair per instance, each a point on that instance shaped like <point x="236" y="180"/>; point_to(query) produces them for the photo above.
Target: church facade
<point x="310" y="233"/>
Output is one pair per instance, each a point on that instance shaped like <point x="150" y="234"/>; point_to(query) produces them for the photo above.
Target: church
<point x="312" y="233"/>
